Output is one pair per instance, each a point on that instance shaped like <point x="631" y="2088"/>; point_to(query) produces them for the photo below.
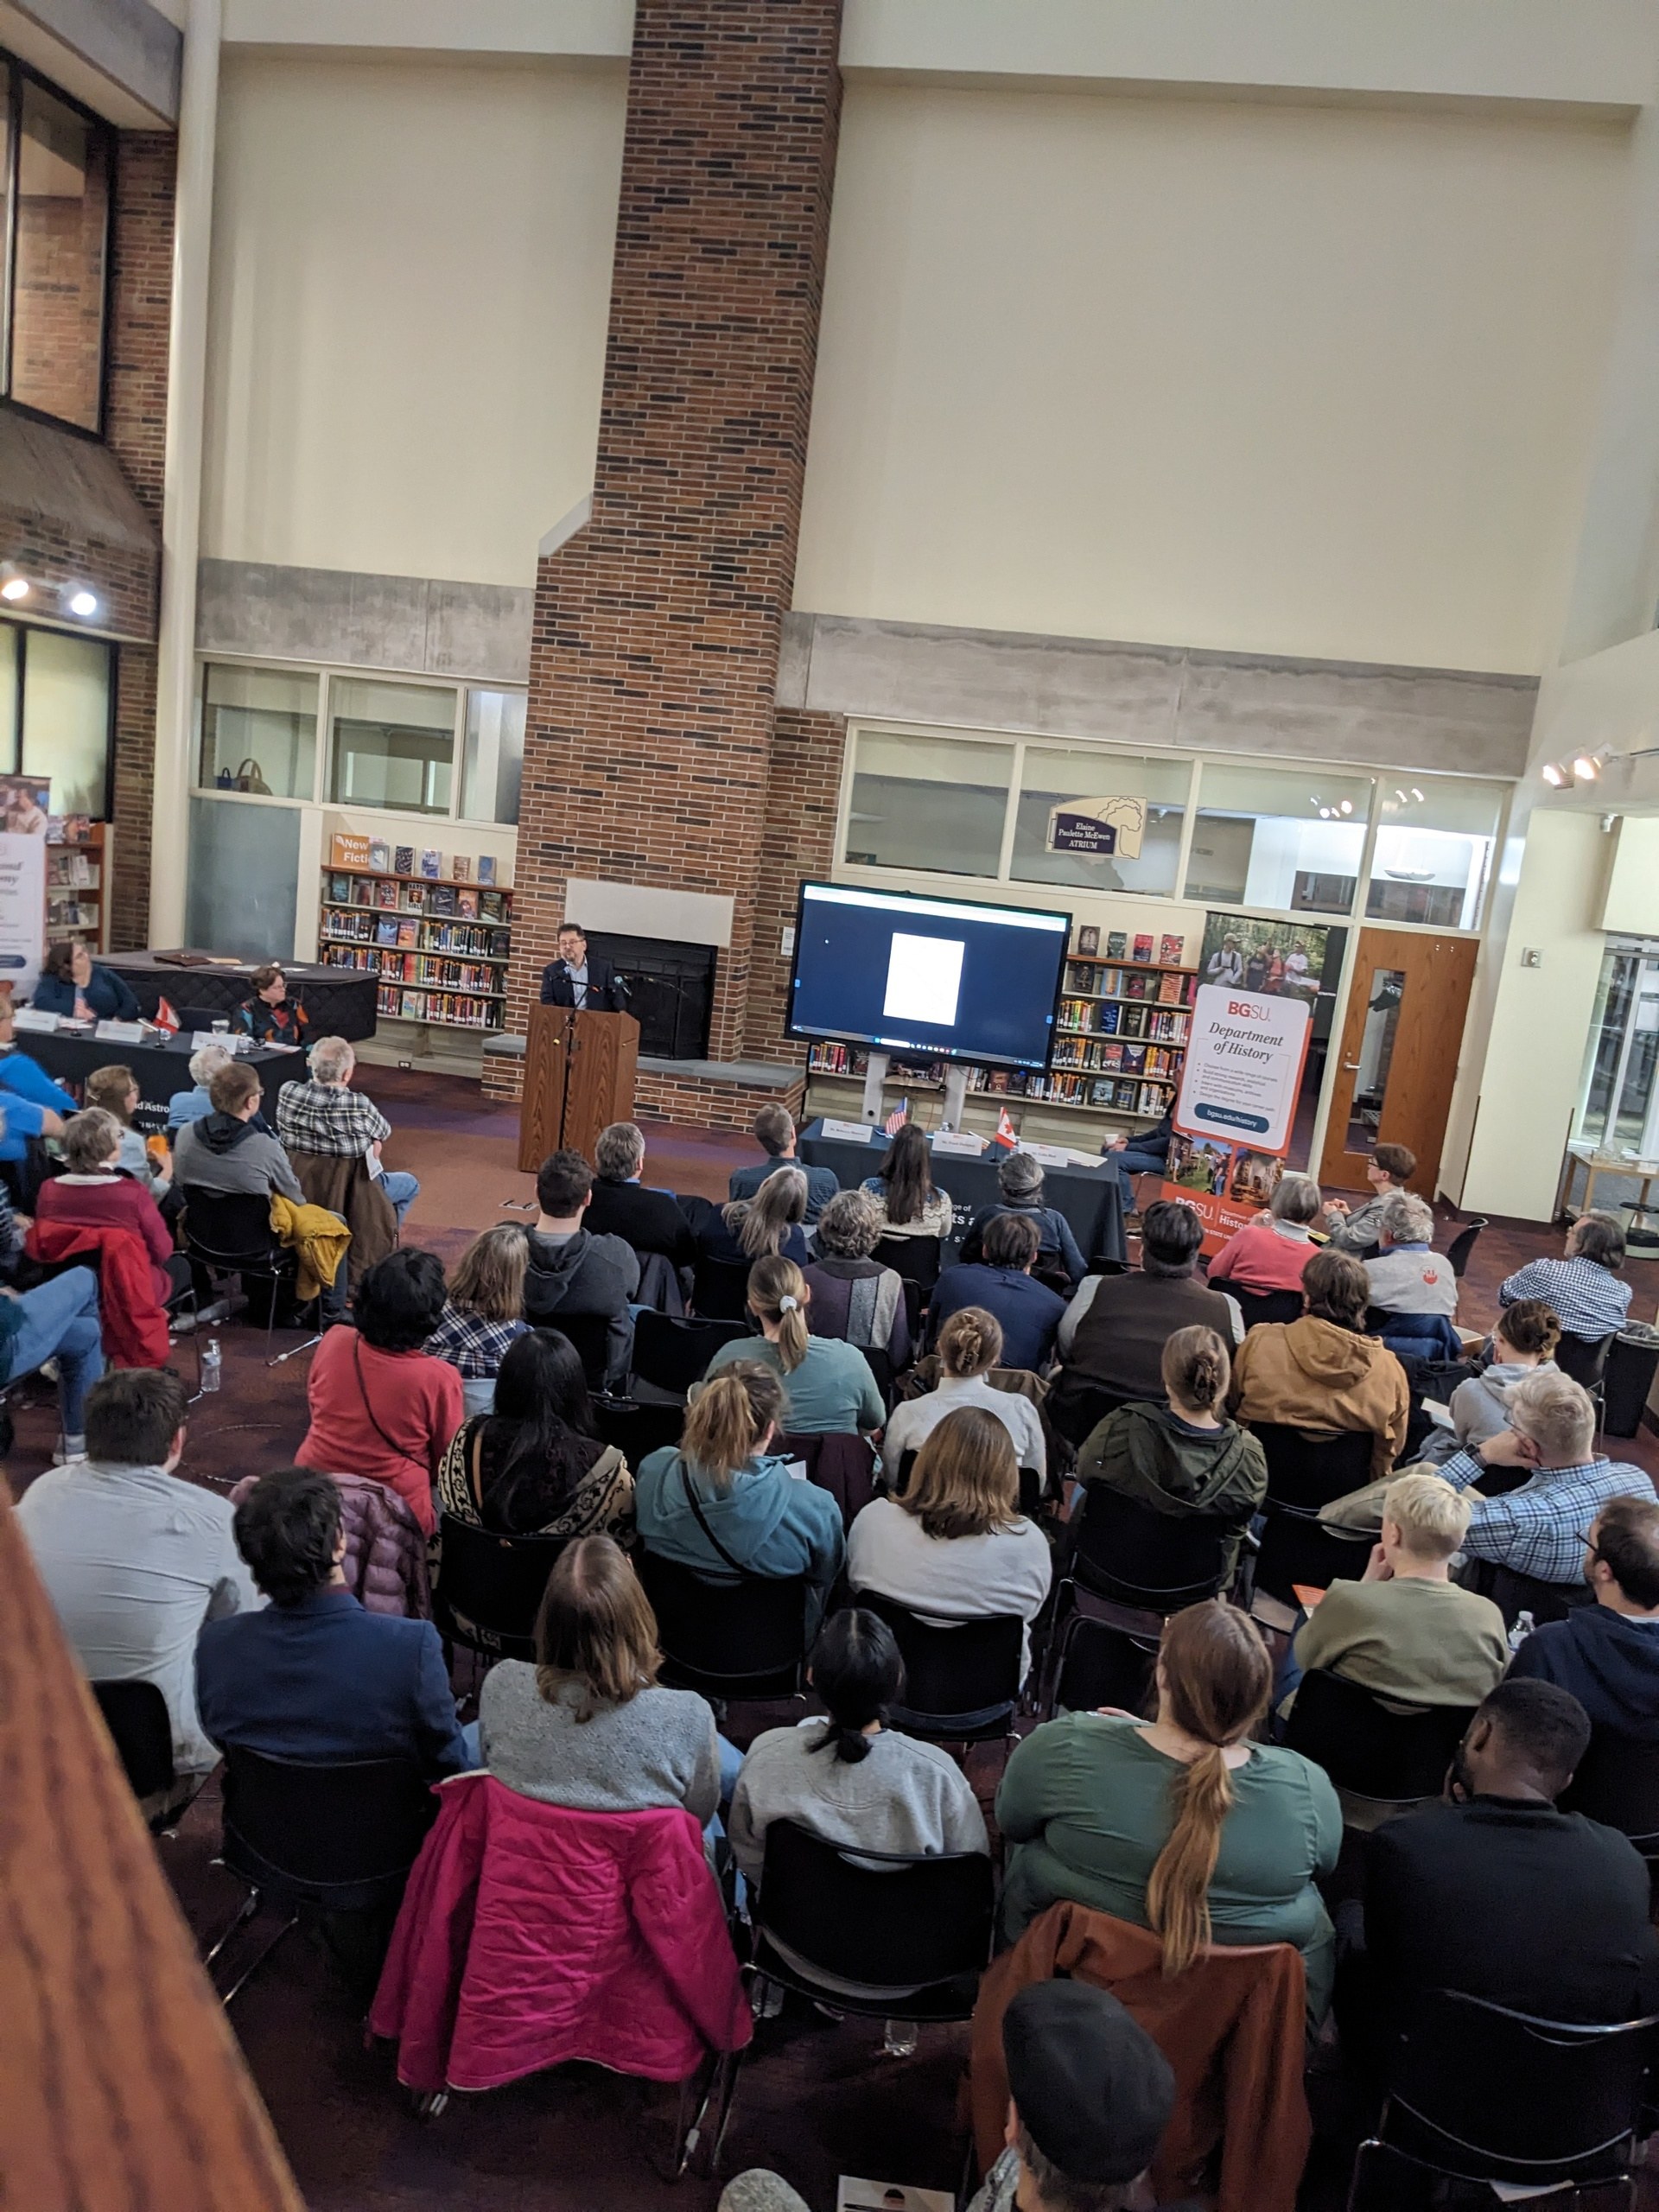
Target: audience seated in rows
<point x="58" y="1319"/>
<point x="115" y="1091"/>
<point x="1607" y="1655"/>
<point x="1322" y="1372"/>
<point x="851" y="1778"/>
<point x="1028" y="1313"/>
<point x="1179" y="1456"/>
<point x="954" y="1544"/>
<point x="1542" y="1528"/>
<point x="774" y="1130"/>
<point x="1583" y="1288"/>
<point x="484" y="1312"/>
<point x="72" y="982"/>
<point x="724" y="1501"/>
<point x="1020" y="1181"/>
<point x="1523" y="1342"/>
<point x="227" y="1152"/>
<point x="380" y="1404"/>
<point x="312" y="1674"/>
<point x="324" y="1116"/>
<point x="1404" y="1629"/>
<point x="851" y="1295"/>
<point x="572" y="1273"/>
<point x="33" y="1105"/>
<point x="746" y="1230"/>
<point x="646" y="1220"/>
<point x="903" y="1189"/>
<point x="831" y="1389"/>
<point x="135" y="1558"/>
<point x="271" y="1017"/>
<point x="93" y="1194"/>
<point x="970" y="1345"/>
<point x="536" y="1466"/>
<point x="1183" y="1825"/>
<point x="1356" y="1229"/>
<point x="1271" y="1252"/>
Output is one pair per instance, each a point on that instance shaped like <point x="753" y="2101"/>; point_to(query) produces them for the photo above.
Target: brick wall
<point x="654" y="658"/>
<point x="799" y="840"/>
<point x="58" y="293"/>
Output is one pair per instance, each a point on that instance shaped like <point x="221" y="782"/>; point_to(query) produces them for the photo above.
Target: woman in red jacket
<point x="94" y="1194"/>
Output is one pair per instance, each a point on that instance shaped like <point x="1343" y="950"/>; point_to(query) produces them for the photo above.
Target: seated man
<point x="327" y="1115"/>
<point x="1027" y="1312"/>
<point x="1143" y="1152"/>
<point x="225" y="1152"/>
<point x="1356" y="1229"/>
<point x="572" y="1273"/>
<point x="134" y="1560"/>
<point x="315" y="1676"/>
<point x="1542" y="1528"/>
<point x="645" y="1220"/>
<point x="1607" y="1655"/>
<point x="194" y="1104"/>
<point x="775" y="1128"/>
<point x="1496" y="1894"/>
<point x="1411" y="1283"/>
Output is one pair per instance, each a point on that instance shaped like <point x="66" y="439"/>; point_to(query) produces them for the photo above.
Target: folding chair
<point x="490" y="1588"/>
<point x="1389" y="1758"/>
<point x="230" y="1234"/>
<point x="141" y="1728"/>
<point x="961" y="1682"/>
<point x="726" y="1638"/>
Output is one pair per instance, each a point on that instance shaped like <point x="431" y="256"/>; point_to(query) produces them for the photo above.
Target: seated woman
<point x="535" y="1466"/>
<point x="1270" y="1252"/>
<point x="95" y="1194"/>
<point x="1322" y="1372"/>
<point x="725" y="1499"/>
<point x="849" y="1778"/>
<point x="381" y="1405"/>
<point x="72" y="982"/>
<point x="1181" y="1825"/>
<point x="1582" y="1287"/>
<point x="757" y="1227"/>
<point x="970" y="1345"/>
<point x="271" y="1017"/>
<point x="851" y="1295"/>
<point x="588" y="1726"/>
<point x="1183" y="1457"/>
<point x="831" y="1389"/>
<point x="1523" y="1342"/>
<point x="954" y="1544"/>
<point x="1019" y="1180"/>
<point x="903" y="1188"/>
<point x="484" y="1313"/>
<point x="115" y="1090"/>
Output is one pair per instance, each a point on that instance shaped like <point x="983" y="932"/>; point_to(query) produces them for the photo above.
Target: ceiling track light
<point x="1553" y="774"/>
<point x="80" y="601"/>
<point x="1587" y="767"/>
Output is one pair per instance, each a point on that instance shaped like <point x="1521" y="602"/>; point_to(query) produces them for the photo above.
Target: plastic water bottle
<point x="210" y="1365"/>
<point x="1518" y="1634"/>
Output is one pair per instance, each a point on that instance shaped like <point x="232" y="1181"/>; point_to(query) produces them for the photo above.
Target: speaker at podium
<point x="580" y="1068"/>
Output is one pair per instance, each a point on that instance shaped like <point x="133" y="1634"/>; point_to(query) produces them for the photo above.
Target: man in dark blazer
<point x="650" y="1221"/>
<point x="575" y="980"/>
<point x="315" y="1676"/>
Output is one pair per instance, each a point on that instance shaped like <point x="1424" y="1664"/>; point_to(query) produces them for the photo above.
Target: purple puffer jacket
<point x="384" y="1565"/>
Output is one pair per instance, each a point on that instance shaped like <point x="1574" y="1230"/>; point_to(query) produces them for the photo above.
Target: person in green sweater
<point x="831" y="1388"/>
<point x="1181" y="1825"/>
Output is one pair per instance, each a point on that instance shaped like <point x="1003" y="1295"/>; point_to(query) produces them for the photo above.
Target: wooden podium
<point x="579" y="1075"/>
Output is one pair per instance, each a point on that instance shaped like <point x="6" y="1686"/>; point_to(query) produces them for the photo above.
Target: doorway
<point x="1398" y="1057"/>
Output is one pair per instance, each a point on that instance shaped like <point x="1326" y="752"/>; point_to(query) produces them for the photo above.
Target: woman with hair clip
<point x="1183" y="1458"/>
<point x="969" y="1346"/>
<point x="535" y="1466"/>
<point x="758" y="1228"/>
<point x="849" y="1778"/>
<point x="724" y="1500"/>
<point x="1180" y="1824"/>
<point x="831" y="1389"/>
<point x="484" y="1312"/>
<point x="954" y="1545"/>
<point x="903" y="1188"/>
<point x="1523" y="1342"/>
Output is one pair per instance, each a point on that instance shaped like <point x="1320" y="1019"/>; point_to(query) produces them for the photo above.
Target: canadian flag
<point x="167" y="1018"/>
<point x="1006" y="1134"/>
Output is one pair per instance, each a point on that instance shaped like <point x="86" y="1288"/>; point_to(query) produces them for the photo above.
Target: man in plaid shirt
<point x="327" y="1115"/>
<point x="1541" y="1528"/>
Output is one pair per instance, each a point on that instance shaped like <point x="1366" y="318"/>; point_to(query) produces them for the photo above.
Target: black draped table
<point x="158" y="1069"/>
<point x="1091" y="1198"/>
<point x="339" y="1001"/>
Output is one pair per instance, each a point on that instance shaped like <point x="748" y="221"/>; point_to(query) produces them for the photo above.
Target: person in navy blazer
<point x="313" y="1675"/>
<point x="575" y="980"/>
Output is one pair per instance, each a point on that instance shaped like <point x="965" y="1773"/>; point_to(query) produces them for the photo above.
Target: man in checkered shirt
<point x="1541" y="1528"/>
<point x="327" y="1115"/>
<point x="1584" y="1288"/>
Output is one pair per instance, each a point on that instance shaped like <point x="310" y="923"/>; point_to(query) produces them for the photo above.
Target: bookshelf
<point x="77" y="885"/>
<point x="439" y="945"/>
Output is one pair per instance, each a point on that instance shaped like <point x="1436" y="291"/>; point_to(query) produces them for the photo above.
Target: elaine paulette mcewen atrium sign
<point x="1108" y="829"/>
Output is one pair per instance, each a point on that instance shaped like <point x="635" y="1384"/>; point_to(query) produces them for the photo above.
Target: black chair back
<point x="1105" y="1663"/>
<point x="136" y="1717"/>
<point x="193" y="1018"/>
<point x="490" y="1588"/>
<point x="1259" y="1306"/>
<point x="1077" y="1408"/>
<point x="637" y="1427"/>
<point x="917" y="1259"/>
<point x="1368" y="1750"/>
<point x="672" y="1352"/>
<point x="1307" y="1469"/>
<point x="960" y="1681"/>
<point x="230" y="1231"/>
<point x="1296" y="1547"/>
<point x="341" y="1834"/>
<point x="1618" y="1784"/>
<point x="1160" y="1561"/>
<point x="1458" y="1251"/>
<point x="720" y="1288"/>
<point x="1585" y="1359"/>
<point x="881" y="1365"/>
<point x="880" y="1919"/>
<point x="590" y="1336"/>
<point x="739" y="1639"/>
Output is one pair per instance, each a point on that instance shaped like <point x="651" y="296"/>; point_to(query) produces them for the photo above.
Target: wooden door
<point x="1399" y="1054"/>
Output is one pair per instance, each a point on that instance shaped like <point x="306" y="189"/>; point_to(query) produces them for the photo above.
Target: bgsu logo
<point x="1251" y="1012"/>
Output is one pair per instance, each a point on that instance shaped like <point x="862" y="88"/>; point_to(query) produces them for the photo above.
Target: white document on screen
<point x="923" y="979"/>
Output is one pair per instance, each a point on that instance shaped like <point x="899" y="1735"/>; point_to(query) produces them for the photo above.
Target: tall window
<point x="936" y="803"/>
<point x="57" y="165"/>
<point x="1285" y="838"/>
<point x="493" y="761"/>
<point x="394" y="745"/>
<point x="67" y="683"/>
<point x="259" y="730"/>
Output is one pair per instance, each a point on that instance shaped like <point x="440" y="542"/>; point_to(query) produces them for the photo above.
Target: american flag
<point x="896" y="1120"/>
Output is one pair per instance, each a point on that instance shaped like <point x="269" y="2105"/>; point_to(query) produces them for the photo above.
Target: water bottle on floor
<point x="210" y="1365"/>
<point x="1522" y="1629"/>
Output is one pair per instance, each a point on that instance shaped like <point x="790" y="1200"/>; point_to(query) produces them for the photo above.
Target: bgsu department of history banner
<point x="1245" y="1053"/>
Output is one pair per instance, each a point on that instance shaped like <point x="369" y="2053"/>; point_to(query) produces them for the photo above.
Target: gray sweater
<point x="658" y="1749"/>
<point x="253" y="1168"/>
<point x="903" y="1795"/>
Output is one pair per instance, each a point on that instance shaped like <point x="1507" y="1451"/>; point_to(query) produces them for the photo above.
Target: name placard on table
<point x="849" y="1132"/>
<point x="960" y="1142"/>
<point x="119" y="1033"/>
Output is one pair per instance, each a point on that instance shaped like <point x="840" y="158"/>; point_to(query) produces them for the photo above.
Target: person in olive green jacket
<point x="1184" y="1457"/>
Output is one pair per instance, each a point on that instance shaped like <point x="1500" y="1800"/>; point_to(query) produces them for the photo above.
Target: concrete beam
<point x="333" y="617"/>
<point x="597" y="30"/>
<point x="121" y="58"/>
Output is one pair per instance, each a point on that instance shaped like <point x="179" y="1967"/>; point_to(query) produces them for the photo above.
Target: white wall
<point x="411" y="280"/>
<point x="1287" y="378"/>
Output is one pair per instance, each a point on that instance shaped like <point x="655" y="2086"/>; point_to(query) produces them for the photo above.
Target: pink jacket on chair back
<point x="529" y="1935"/>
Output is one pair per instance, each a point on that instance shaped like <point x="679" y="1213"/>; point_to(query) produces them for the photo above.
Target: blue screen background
<point x="1005" y="1009"/>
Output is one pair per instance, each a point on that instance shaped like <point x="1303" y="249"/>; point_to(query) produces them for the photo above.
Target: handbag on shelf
<point x="250" y="777"/>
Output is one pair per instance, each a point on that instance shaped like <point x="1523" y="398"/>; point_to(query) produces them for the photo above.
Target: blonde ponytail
<point x="726" y="1421"/>
<point x="777" y="1294"/>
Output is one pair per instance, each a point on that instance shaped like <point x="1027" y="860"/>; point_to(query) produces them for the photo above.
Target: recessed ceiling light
<point x="15" y="588"/>
<point x="82" y="603"/>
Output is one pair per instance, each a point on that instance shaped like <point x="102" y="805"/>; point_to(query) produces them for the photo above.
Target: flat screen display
<point x="949" y="977"/>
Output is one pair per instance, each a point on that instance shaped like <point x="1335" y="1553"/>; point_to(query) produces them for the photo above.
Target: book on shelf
<point x="486" y="867"/>
<point x="1143" y="945"/>
<point x="466" y="904"/>
<point x="1088" y="939"/>
<point x="431" y="863"/>
<point x="362" y="891"/>
<point x="489" y="905"/>
<point x="441" y="899"/>
<point x="460" y="867"/>
<point x="1117" y="945"/>
<point x="339" y="889"/>
<point x="380" y="854"/>
<point x="403" y="860"/>
<point x="1171" y="950"/>
<point x="415" y="897"/>
<point x="385" y="892"/>
<point x="385" y="932"/>
<point x="408" y="932"/>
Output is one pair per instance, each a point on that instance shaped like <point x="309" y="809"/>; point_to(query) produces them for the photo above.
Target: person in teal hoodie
<point x="724" y="1499"/>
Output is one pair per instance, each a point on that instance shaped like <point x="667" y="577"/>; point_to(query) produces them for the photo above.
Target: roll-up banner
<point x="25" y="803"/>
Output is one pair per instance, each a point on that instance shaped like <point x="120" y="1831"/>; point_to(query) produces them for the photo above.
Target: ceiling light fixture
<point x="82" y="603"/>
<point x="1347" y="806"/>
<point x="1587" y="767"/>
<point x="1554" y="775"/>
<point x="14" y="588"/>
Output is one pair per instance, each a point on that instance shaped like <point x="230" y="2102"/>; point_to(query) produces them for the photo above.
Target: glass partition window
<point x="1435" y="843"/>
<point x="931" y="803"/>
<point x="1102" y="821"/>
<point x="1290" y="839"/>
<point x="1618" y="1110"/>
<point x="59" y="250"/>
<point x="67" y="686"/>
<point x="393" y="746"/>
<point x="258" y="731"/>
<point x="492" y="756"/>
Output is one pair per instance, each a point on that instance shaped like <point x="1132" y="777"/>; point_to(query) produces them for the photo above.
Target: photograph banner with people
<point x="25" y="807"/>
